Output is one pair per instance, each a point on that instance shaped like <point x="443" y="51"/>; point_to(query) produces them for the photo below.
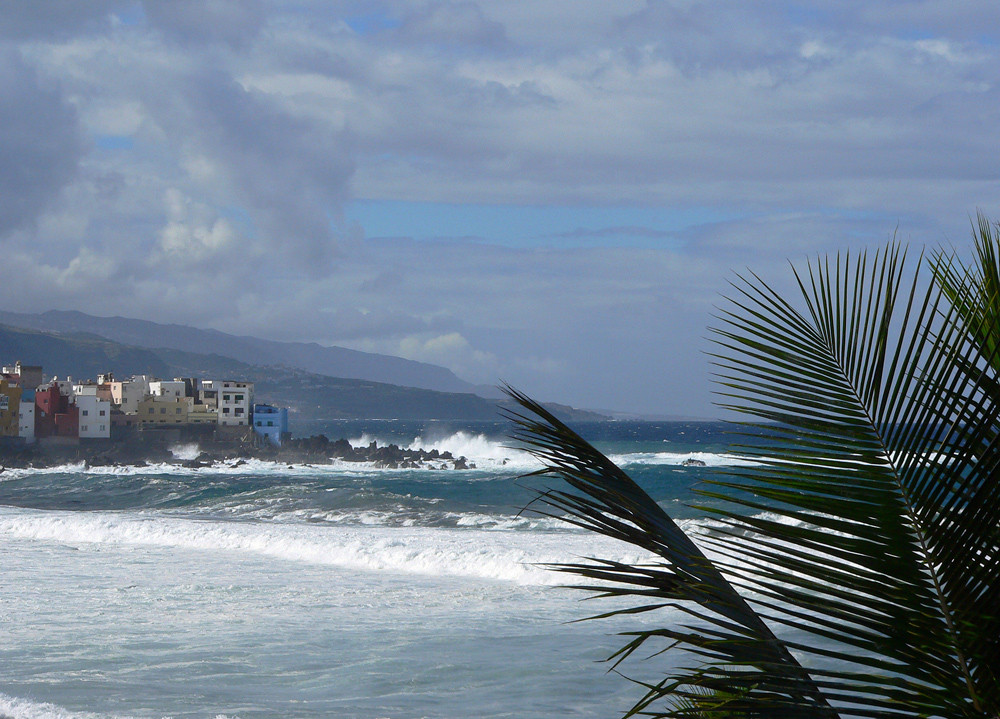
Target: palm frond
<point x="974" y="289"/>
<point x="858" y="569"/>
<point x="607" y="501"/>
<point x="883" y="536"/>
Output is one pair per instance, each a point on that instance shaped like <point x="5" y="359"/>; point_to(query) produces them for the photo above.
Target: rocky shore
<point x="309" y="450"/>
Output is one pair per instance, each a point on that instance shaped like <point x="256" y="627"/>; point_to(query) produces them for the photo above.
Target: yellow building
<point x="202" y="414"/>
<point x="164" y="410"/>
<point x="10" y="405"/>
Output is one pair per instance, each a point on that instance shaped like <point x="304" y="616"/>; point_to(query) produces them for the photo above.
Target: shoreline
<point x="317" y="449"/>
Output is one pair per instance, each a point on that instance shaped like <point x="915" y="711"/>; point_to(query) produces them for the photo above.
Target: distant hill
<point x="311" y="357"/>
<point x="307" y="395"/>
<point x="80" y="356"/>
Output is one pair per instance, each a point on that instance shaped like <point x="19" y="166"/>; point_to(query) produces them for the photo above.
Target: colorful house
<point x="10" y="406"/>
<point x="270" y="422"/>
<point x="55" y="414"/>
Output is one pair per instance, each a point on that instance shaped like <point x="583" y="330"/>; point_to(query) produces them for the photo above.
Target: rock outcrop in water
<point x="307" y="450"/>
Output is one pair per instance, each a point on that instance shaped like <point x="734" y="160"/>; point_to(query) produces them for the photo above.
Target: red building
<point x="55" y="415"/>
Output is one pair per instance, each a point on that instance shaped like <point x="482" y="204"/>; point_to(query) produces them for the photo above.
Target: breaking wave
<point x="17" y="708"/>
<point x="470" y="553"/>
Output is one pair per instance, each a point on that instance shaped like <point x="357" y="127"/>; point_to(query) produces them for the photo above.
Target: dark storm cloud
<point x="290" y="174"/>
<point x="40" y="142"/>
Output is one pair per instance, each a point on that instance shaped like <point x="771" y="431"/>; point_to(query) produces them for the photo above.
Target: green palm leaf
<point x="975" y="290"/>
<point x="858" y="570"/>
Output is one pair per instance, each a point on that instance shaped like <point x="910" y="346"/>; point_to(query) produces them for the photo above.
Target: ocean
<point x="344" y="590"/>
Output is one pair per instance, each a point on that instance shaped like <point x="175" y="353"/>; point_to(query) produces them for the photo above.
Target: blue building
<point x="270" y="422"/>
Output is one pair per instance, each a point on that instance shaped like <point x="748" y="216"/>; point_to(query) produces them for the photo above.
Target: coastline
<point x="317" y="449"/>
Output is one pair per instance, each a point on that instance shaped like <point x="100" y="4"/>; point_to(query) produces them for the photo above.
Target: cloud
<point x="55" y="18"/>
<point x="230" y="22"/>
<point x="150" y="145"/>
<point x="459" y="24"/>
<point x="40" y="143"/>
<point x="450" y="350"/>
<point x="289" y="174"/>
<point x="195" y="237"/>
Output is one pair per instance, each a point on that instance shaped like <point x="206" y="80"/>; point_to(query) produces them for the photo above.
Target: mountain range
<point x="315" y="382"/>
<point x="311" y="357"/>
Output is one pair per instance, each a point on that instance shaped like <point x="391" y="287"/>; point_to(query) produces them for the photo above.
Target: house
<point x="163" y="409"/>
<point x="270" y="422"/>
<point x="234" y="400"/>
<point x="26" y="416"/>
<point x="95" y="416"/>
<point x="55" y="414"/>
<point x="202" y="414"/>
<point x="26" y="376"/>
<point x="10" y="404"/>
<point x="128" y="394"/>
<point x="168" y="388"/>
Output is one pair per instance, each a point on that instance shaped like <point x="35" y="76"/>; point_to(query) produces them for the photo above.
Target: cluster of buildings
<point x="33" y="408"/>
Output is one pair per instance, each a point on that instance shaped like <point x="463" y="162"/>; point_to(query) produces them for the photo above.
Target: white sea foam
<point x="472" y="553"/>
<point x="186" y="451"/>
<point x="230" y="468"/>
<point x="711" y="459"/>
<point x="18" y="708"/>
<point x="399" y="516"/>
<point x="482" y="450"/>
<point x="486" y="453"/>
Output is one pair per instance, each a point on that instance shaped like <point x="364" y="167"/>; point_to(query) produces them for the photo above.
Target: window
<point x="102" y="413"/>
<point x="177" y="411"/>
<point x="239" y="410"/>
<point x="83" y="428"/>
<point x="85" y="412"/>
<point x="259" y="423"/>
<point x="225" y="398"/>
<point x="163" y="410"/>
<point x="225" y="410"/>
<point x="103" y="427"/>
<point x="270" y="423"/>
<point x="239" y="398"/>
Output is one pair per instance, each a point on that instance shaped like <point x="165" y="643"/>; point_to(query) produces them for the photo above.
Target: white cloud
<point x="193" y="236"/>
<point x="226" y="139"/>
<point x="453" y="351"/>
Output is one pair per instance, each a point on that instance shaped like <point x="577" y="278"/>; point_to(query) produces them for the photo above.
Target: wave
<point x="17" y="708"/>
<point x="401" y="516"/>
<point x="231" y="468"/>
<point x="491" y="454"/>
<point x="469" y="553"/>
<point x="486" y="453"/>
<point x="710" y="459"/>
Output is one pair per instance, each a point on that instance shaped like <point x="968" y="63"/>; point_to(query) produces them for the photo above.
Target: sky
<point x="553" y="193"/>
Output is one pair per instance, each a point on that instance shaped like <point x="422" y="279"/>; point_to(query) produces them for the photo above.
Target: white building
<point x="26" y="418"/>
<point x="234" y="400"/>
<point x="95" y="417"/>
<point x="128" y="394"/>
<point x="167" y="388"/>
<point x="88" y="389"/>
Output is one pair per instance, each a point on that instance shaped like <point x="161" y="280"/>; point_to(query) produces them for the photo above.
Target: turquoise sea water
<point x="268" y="590"/>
